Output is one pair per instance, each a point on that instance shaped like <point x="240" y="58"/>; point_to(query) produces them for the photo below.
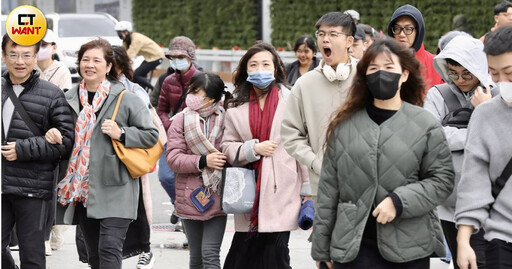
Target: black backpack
<point x="457" y="116"/>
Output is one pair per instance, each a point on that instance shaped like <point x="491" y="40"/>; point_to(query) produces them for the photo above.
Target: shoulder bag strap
<point x="23" y="113"/>
<point x="502" y="179"/>
<point x="450" y="99"/>
<point x="117" y="105"/>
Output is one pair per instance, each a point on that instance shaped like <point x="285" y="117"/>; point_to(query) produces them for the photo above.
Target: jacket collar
<point x="28" y="84"/>
<point x="189" y="74"/>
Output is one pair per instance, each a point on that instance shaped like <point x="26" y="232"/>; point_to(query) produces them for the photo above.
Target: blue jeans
<point x="166" y="176"/>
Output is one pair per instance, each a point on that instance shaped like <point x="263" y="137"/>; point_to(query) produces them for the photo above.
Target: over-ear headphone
<point x="341" y="73"/>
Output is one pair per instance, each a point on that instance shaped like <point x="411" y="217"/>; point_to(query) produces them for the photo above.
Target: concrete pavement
<point x="163" y="238"/>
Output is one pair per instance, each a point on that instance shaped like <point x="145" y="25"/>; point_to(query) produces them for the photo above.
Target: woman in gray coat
<point x="102" y="195"/>
<point x="387" y="166"/>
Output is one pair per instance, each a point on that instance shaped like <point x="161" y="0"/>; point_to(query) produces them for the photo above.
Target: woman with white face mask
<point x="252" y="126"/>
<point x="52" y="70"/>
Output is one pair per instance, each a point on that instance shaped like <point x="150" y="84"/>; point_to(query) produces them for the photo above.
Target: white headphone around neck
<point x="341" y="73"/>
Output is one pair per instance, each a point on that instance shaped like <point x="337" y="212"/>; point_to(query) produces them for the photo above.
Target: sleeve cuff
<point x="397" y="203"/>
<point x="305" y="189"/>
<point x="249" y="153"/>
<point x="468" y="221"/>
<point x="202" y="162"/>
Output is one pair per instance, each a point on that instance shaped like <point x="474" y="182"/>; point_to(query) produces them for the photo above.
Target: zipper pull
<point x="275" y="188"/>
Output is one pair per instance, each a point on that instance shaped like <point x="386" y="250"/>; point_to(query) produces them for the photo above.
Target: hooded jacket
<point x="469" y="53"/>
<point x="426" y="58"/>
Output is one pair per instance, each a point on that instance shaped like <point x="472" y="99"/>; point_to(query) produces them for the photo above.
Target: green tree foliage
<point x="293" y="18"/>
<point x="219" y="23"/>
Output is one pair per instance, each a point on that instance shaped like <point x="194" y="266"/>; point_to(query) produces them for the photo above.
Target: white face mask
<point x="505" y="90"/>
<point x="45" y="53"/>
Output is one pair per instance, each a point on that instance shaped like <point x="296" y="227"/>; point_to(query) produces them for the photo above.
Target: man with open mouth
<point x="318" y="93"/>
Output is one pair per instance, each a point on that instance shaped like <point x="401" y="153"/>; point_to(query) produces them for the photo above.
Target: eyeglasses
<point x="397" y="29"/>
<point x="465" y="76"/>
<point x="331" y="34"/>
<point x="25" y="57"/>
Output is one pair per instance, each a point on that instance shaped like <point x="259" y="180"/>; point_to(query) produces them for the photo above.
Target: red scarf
<point x="261" y="124"/>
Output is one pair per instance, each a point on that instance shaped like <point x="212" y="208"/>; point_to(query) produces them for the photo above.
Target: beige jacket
<point x="58" y="74"/>
<point x="144" y="46"/>
<point x="312" y="101"/>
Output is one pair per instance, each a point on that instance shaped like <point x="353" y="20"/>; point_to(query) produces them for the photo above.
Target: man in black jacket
<point x="28" y="161"/>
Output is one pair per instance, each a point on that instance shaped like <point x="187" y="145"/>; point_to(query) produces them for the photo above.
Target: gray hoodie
<point x="469" y="53"/>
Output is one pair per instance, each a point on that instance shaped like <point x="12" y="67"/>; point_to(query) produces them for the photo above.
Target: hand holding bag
<point x="138" y="161"/>
<point x="238" y="188"/>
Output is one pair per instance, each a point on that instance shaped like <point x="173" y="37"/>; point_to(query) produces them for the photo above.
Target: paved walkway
<point x="167" y="245"/>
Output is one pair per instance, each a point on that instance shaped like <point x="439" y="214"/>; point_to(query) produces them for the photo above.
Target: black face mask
<point x="383" y="84"/>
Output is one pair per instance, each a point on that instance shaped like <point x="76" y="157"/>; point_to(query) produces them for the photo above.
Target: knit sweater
<point x="488" y="150"/>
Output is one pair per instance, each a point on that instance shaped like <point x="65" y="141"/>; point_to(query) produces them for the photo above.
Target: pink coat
<point x="279" y="207"/>
<point x="185" y="165"/>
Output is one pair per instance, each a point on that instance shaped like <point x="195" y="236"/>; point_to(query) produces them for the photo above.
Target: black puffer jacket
<point x="32" y="174"/>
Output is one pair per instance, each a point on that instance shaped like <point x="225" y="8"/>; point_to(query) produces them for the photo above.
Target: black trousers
<point x="104" y="239"/>
<point x="261" y="251"/>
<point x="476" y="241"/>
<point x="141" y="73"/>
<point x="29" y="215"/>
<point x="498" y="255"/>
<point x="370" y="257"/>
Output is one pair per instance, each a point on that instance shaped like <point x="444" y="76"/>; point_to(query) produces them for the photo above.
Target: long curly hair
<point x="242" y="86"/>
<point x="359" y="95"/>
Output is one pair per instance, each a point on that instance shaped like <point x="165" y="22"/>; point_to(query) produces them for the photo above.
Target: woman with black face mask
<point x="386" y="167"/>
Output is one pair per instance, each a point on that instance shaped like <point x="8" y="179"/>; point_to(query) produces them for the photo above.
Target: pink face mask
<point x="196" y="103"/>
<point x="45" y="53"/>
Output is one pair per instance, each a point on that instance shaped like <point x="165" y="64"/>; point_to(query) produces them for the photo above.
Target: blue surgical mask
<point x="260" y="79"/>
<point x="179" y="64"/>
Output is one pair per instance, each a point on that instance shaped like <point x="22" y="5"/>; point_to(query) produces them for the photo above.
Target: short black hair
<point x="452" y="62"/>
<point x="6" y="39"/>
<point x="502" y="7"/>
<point x="307" y="40"/>
<point x="338" y="19"/>
<point x="211" y="83"/>
<point x="499" y="41"/>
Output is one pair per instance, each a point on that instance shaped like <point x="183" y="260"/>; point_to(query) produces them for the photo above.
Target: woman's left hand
<point x="385" y="212"/>
<point x="110" y="128"/>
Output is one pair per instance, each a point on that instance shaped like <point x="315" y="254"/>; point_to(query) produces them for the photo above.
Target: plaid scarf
<point x="261" y="125"/>
<point x="202" y="144"/>
<point x="75" y="185"/>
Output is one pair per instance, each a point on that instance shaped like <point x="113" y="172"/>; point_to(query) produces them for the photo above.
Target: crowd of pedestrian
<point x="403" y="153"/>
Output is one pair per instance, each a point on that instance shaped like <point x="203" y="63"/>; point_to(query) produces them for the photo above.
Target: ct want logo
<point x="26" y="25"/>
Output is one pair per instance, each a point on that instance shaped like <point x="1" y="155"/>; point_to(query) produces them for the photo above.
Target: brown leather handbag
<point x="138" y="161"/>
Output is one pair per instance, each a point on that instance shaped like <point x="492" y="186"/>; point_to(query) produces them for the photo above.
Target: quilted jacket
<point x="33" y="173"/>
<point x="172" y="89"/>
<point x="364" y="162"/>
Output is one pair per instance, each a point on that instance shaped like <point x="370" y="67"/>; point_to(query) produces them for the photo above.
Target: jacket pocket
<point x="114" y="172"/>
<point x="344" y="230"/>
<point x="414" y="232"/>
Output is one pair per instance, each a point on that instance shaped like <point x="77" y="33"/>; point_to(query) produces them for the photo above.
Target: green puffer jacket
<point x="364" y="162"/>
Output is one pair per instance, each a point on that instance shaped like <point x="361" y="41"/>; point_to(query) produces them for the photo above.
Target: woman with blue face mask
<point x="252" y="127"/>
<point x="182" y="52"/>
